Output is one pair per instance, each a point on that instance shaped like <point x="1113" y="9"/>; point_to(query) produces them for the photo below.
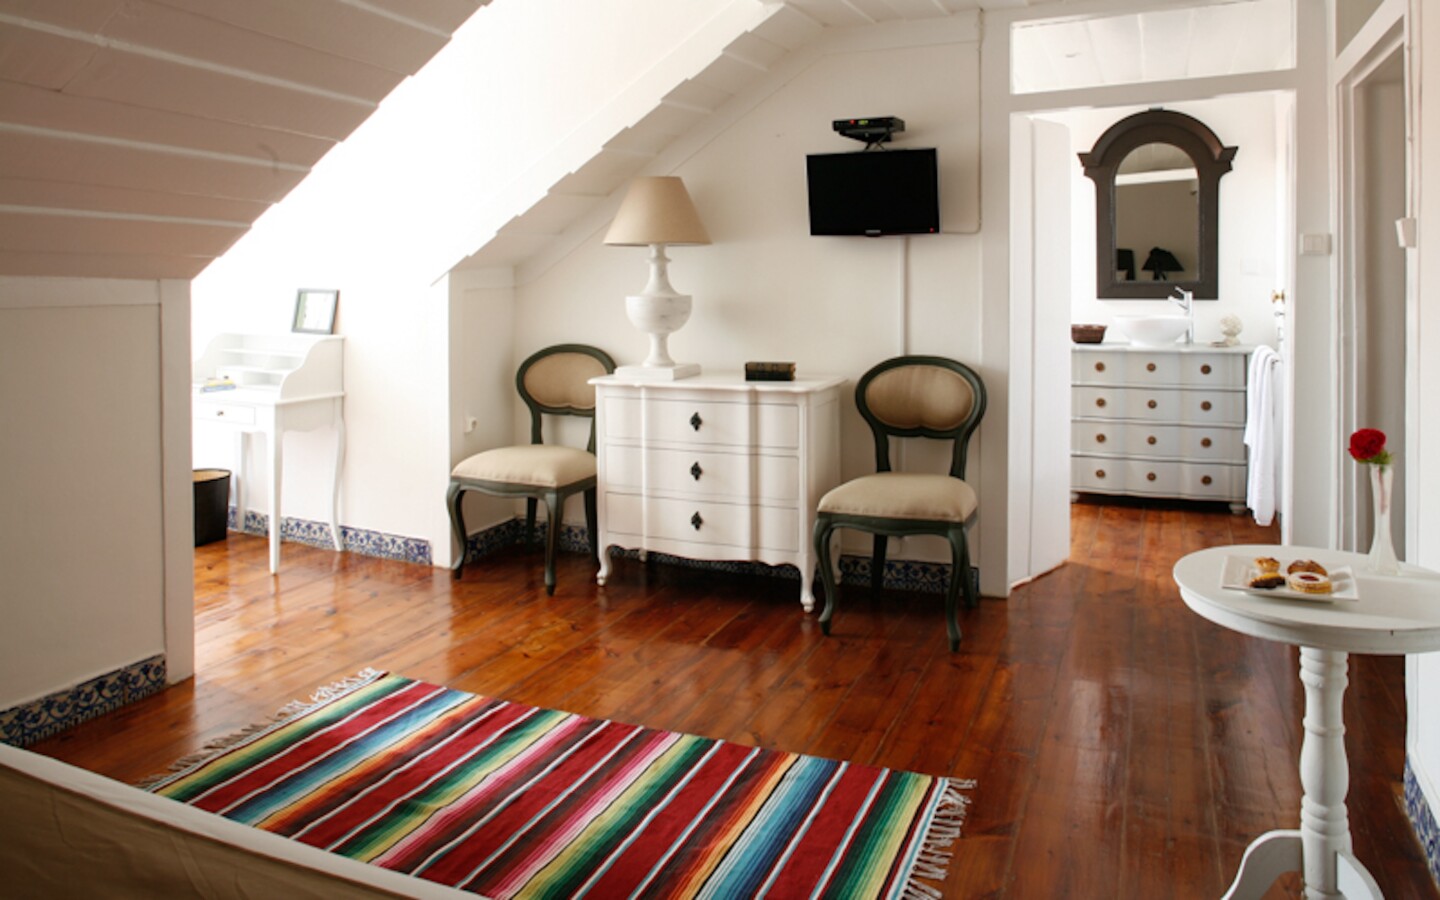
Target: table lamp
<point x="657" y="211"/>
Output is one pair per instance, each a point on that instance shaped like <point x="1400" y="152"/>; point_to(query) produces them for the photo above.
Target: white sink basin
<point x="1152" y="330"/>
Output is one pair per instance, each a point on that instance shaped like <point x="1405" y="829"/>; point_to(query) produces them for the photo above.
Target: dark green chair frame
<point x="554" y="497"/>
<point x="885" y="528"/>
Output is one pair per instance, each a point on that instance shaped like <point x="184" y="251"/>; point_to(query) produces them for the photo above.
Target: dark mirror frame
<point x="1211" y="158"/>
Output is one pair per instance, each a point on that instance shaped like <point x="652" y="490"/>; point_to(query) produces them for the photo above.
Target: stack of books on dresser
<point x="769" y="371"/>
<point x="217" y="384"/>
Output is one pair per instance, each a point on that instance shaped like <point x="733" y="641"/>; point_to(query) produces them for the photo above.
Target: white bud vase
<point x="1382" y="559"/>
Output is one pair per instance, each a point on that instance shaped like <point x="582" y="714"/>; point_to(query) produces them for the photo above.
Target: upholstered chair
<point x="553" y="381"/>
<point x="909" y="396"/>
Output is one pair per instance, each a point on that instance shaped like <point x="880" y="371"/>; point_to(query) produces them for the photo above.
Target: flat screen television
<point x="873" y="192"/>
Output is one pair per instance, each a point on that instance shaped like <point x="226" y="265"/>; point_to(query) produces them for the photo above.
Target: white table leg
<point x="1324" y="770"/>
<point x="335" y="488"/>
<point x="807" y="584"/>
<point x="242" y="479"/>
<point x="275" y="438"/>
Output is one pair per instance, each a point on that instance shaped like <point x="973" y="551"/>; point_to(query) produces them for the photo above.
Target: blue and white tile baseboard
<point x="907" y="575"/>
<point x="1422" y="817"/>
<point x="27" y="723"/>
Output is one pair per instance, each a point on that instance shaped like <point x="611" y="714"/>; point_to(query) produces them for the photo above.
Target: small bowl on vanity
<point x="1087" y="334"/>
<point x="1152" y="330"/>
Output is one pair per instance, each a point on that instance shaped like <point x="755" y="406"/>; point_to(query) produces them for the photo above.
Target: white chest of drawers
<point x="716" y="467"/>
<point x="1159" y="422"/>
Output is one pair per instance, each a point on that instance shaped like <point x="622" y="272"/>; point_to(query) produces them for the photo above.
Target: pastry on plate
<point x="1305" y="565"/>
<point x="1268" y="581"/>
<point x="1267" y="564"/>
<point x="1311" y="583"/>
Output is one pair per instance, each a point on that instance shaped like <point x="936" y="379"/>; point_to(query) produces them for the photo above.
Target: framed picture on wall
<point x="315" y="311"/>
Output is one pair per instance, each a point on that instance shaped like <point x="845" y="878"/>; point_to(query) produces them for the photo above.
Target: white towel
<point x="1263" y="434"/>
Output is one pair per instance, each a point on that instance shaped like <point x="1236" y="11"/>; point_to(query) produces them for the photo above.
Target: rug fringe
<point x="221" y="745"/>
<point x="932" y="863"/>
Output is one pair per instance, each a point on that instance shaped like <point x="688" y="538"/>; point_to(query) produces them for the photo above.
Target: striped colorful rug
<point x="509" y="800"/>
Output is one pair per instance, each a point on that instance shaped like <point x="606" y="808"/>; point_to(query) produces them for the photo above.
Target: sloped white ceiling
<point x="141" y="138"/>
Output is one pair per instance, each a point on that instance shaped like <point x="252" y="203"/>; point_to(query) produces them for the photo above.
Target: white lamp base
<point x="659" y="373"/>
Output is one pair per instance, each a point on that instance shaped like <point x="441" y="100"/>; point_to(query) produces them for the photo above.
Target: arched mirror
<point x="1157" y="206"/>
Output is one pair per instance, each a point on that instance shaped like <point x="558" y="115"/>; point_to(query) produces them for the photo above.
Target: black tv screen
<point x="873" y="192"/>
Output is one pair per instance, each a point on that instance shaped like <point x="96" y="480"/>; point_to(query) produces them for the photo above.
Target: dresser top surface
<point x="1177" y="348"/>
<point x="724" y="381"/>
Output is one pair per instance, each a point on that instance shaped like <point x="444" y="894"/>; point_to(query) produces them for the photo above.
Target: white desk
<point x="1392" y="616"/>
<point x="716" y="467"/>
<point x="285" y="382"/>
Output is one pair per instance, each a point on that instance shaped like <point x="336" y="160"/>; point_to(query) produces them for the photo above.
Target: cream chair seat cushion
<point x="903" y="495"/>
<point x="535" y="465"/>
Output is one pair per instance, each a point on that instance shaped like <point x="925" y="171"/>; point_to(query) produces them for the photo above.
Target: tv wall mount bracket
<point x="873" y="131"/>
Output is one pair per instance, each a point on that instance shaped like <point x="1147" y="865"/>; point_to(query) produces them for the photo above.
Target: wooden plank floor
<point x="1123" y="746"/>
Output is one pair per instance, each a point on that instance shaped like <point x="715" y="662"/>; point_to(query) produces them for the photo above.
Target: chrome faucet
<point x="1186" y="301"/>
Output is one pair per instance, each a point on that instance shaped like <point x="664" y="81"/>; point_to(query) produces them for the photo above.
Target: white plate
<point x="1240" y="569"/>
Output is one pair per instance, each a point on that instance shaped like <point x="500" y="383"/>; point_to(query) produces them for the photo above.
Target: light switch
<point x="1314" y="245"/>
<point x="1406" y="232"/>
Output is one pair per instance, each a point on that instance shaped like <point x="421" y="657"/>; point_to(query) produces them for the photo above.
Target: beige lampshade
<point x="657" y="210"/>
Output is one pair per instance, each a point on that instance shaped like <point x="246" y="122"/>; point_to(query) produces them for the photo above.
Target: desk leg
<point x="242" y="479"/>
<point x="1266" y="859"/>
<point x="275" y="438"/>
<point x="335" y="488"/>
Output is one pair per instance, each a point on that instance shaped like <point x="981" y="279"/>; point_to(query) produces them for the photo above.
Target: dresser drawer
<point x="1158" y="368"/>
<point x="228" y="413"/>
<point x="1199" y="481"/>
<point x="703" y="522"/>
<point x="703" y="472"/>
<point x="1099" y="436"/>
<point x="1160" y="405"/>
<point x="703" y="422"/>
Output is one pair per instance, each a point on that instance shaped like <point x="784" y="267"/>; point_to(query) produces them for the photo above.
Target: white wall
<point x="1250" y="267"/>
<point x="1422" y="452"/>
<point x="378" y="218"/>
<point x="93" y="456"/>
<point x="766" y="289"/>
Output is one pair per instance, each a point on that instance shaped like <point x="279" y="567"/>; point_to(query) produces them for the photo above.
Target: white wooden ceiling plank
<point x="874" y="10"/>
<point x="36" y="57"/>
<point x="142" y="81"/>
<point x="71" y="195"/>
<point x="698" y="95"/>
<point x="157" y="27"/>
<point x="669" y="118"/>
<point x="96" y="265"/>
<point x="756" y="50"/>
<point x="789" y="27"/>
<point x="833" y="13"/>
<point x="551" y="215"/>
<point x="49" y="159"/>
<point x="728" y="74"/>
<point x="646" y="141"/>
<point x="38" y="108"/>
<point x="329" y="26"/>
<point x="444" y="15"/>
<point x="602" y="174"/>
<point x="38" y="233"/>
<point x="917" y="9"/>
<point x="504" y="250"/>
<point x="83" y="15"/>
<point x="1113" y="40"/>
<point x="1165" y="44"/>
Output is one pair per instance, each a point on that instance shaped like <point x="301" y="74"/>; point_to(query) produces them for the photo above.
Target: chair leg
<point x="877" y="563"/>
<point x="529" y="522"/>
<point x="823" y="530"/>
<point x="958" y="573"/>
<point x="457" y="522"/>
<point x="972" y="598"/>
<point x="552" y="540"/>
<point x="592" y="520"/>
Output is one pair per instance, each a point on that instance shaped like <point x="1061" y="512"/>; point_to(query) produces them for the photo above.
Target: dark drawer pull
<point x="1100" y="438"/>
<point x="1205" y="405"/>
<point x="695" y="471"/>
<point x="1205" y="369"/>
<point x="1150" y="440"/>
<point x="1149" y="476"/>
<point x="1149" y="367"/>
<point x="1205" y="442"/>
<point x="695" y="421"/>
<point x="697" y="521"/>
<point x="1206" y="479"/>
<point x="1099" y="473"/>
<point x="1100" y="401"/>
<point x="1099" y="367"/>
<point x="1152" y="404"/>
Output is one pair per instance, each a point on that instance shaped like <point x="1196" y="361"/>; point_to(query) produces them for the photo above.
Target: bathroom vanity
<point x="1159" y="421"/>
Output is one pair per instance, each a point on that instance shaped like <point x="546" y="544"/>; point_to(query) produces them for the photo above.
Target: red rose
<point x="1367" y="443"/>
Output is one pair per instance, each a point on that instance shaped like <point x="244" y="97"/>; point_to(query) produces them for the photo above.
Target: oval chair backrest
<point x="921" y="396"/>
<point x="555" y="380"/>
